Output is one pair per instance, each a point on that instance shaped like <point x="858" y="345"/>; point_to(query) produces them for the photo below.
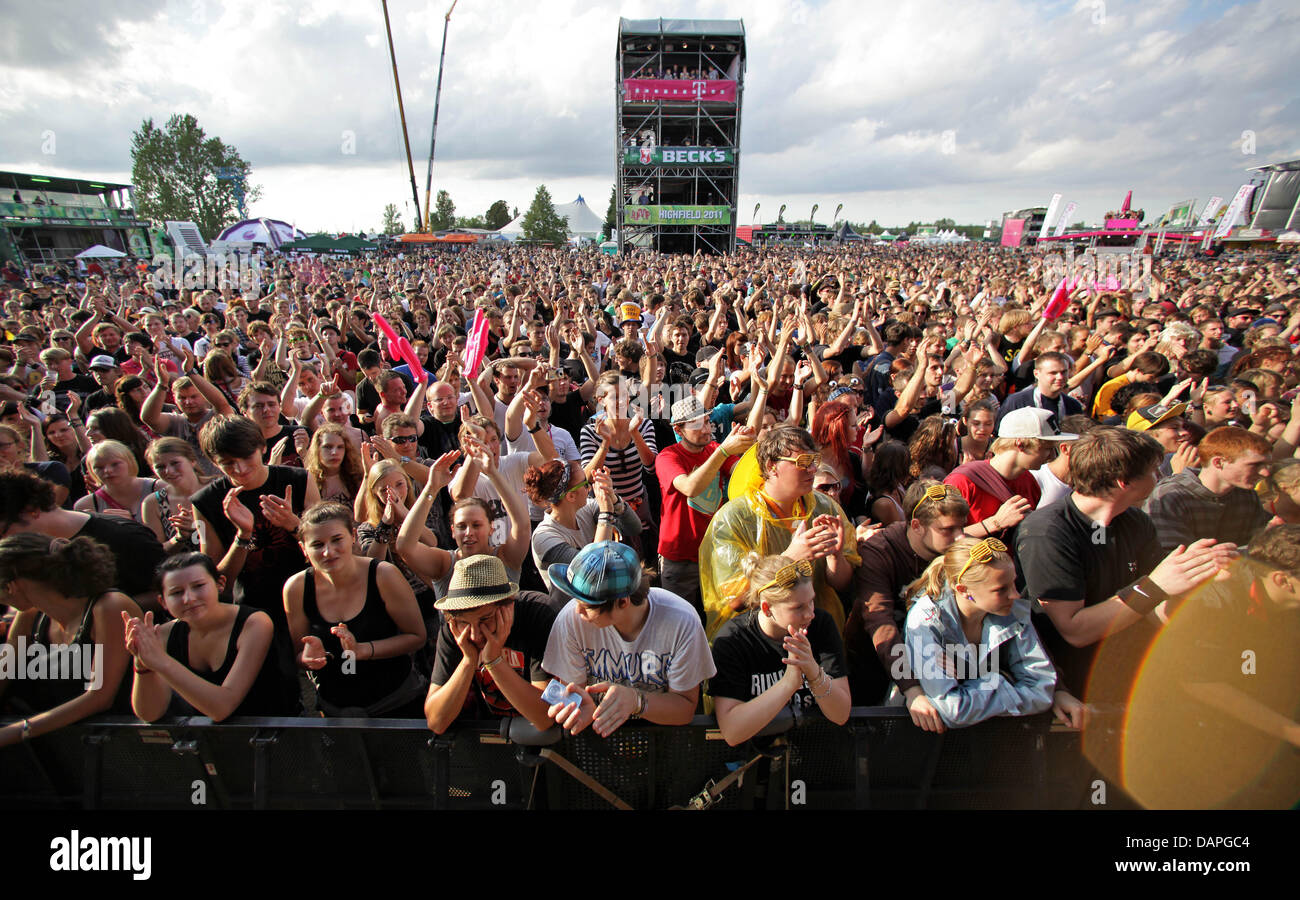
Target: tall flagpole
<point x="433" y="138"/>
<point x="415" y="192"/>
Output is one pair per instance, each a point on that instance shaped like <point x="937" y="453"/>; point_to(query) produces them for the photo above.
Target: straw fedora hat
<point x="477" y="581"/>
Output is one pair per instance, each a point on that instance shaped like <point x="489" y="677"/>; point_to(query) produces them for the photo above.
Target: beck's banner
<point x="678" y="156"/>
<point x="715" y="90"/>
<point x="677" y="215"/>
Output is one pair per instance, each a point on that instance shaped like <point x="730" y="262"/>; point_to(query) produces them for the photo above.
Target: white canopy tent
<point x="582" y="222"/>
<point x="99" y="251"/>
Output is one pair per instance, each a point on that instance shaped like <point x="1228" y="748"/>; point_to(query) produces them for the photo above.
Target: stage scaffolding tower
<point x="678" y="90"/>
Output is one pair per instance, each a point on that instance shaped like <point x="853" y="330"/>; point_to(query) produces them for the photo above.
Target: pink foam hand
<point x="386" y="329"/>
<point x="1060" y="300"/>
<point x="407" y="352"/>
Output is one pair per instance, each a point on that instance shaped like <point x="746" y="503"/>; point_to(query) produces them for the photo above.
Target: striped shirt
<point x="625" y="468"/>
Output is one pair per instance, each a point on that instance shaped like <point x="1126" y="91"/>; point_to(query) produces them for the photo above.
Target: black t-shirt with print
<point x="749" y="662"/>
<point x="524" y="649"/>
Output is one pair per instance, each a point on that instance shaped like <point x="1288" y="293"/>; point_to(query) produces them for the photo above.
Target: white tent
<point x="99" y="251"/>
<point x="583" y="223"/>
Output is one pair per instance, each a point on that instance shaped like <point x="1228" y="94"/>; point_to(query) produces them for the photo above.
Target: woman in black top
<point x="780" y="652"/>
<point x="211" y="660"/>
<point x="362" y="665"/>
<point x="63" y="591"/>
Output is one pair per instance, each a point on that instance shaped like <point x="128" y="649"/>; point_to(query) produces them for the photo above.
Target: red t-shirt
<point x="683" y="520"/>
<point x="984" y="504"/>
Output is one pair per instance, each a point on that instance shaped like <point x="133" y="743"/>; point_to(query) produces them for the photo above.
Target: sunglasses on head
<point x="852" y="382"/>
<point x="788" y="575"/>
<point x="982" y="553"/>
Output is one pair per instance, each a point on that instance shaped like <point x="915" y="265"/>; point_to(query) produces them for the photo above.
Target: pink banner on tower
<point x="714" y="90"/>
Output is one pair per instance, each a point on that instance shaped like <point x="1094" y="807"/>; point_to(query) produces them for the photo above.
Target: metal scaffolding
<point x="677" y="150"/>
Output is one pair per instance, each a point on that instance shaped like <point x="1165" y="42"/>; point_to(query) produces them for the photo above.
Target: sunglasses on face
<point x="408" y="439"/>
<point x="803" y="460"/>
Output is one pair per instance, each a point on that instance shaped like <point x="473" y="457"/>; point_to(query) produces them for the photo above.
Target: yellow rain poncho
<point x="745" y="523"/>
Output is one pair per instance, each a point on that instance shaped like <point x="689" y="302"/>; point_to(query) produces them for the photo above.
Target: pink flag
<point x="407" y="352"/>
<point x="476" y="346"/>
<point x="1128" y="198"/>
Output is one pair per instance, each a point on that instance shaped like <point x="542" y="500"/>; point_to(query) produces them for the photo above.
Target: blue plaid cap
<point x="600" y="573"/>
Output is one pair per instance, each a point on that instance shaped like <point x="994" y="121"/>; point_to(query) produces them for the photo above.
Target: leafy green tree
<point x="470" y="222"/>
<point x="498" y="216"/>
<point x="444" y="213"/>
<point x="542" y="223"/>
<point x="607" y="233"/>
<point x="392" y="220"/>
<point x="175" y="171"/>
<point x="945" y="223"/>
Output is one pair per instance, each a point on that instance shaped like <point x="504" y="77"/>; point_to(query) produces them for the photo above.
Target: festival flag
<point x="1208" y="213"/>
<point x="1065" y="218"/>
<point x="1128" y="198"/>
<point x="1050" y="219"/>
<point x="1234" y="211"/>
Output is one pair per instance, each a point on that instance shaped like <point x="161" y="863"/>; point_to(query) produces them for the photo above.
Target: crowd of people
<point x="659" y="486"/>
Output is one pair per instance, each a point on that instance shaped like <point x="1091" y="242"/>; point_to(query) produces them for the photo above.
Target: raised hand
<point x="279" y="512"/>
<point x="237" y="513"/>
<point x="143" y="639"/>
<point x="440" y="473"/>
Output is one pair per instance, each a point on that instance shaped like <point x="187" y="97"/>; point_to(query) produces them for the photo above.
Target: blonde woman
<point x="755" y="679"/>
<point x="167" y="509"/>
<point x="335" y="464"/>
<point x="970" y="642"/>
<point x="382" y="507"/>
<point x="121" y="492"/>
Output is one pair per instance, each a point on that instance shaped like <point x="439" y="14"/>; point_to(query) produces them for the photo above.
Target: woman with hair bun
<point x="63" y="591"/>
<point x="211" y="659"/>
<point x="781" y="651"/>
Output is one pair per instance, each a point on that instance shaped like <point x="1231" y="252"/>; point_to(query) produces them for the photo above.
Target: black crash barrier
<point x="878" y="760"/>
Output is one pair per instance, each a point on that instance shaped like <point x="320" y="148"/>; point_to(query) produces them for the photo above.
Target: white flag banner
<point x="1234" y="211"/>
<point x="1050" y="219"/>
<point x="1209" y="210"/>
<point x="1065" y="217"/>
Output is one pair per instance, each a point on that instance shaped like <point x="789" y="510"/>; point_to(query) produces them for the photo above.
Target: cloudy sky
<point x="900" y="111"/>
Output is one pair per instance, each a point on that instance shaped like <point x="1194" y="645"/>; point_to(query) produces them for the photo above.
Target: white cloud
<point x="844" y="101"/>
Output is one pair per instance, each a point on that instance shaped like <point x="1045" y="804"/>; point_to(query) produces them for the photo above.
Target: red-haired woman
<point x="835" y="430"/>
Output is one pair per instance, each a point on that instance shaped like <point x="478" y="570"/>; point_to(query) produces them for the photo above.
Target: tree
<point x="542" y="223"/>
<point x="175" y="171"/>
<point x="498" y="216"/>
<point x="444" y="213"/>
<point x="945" y="223"/>
<point x="470" y="222"/>
<point x="392" y="220"/>
<point x="608" y="233"/>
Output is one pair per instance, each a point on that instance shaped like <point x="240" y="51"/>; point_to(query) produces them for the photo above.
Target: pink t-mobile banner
<point x="709" y="90"/>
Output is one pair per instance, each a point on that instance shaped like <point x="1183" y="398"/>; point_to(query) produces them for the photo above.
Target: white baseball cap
<point x="1032" y="422"/>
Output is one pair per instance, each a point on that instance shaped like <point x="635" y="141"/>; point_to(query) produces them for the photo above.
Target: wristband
<point x="26" y="730"/>
<point x="490" y="663"/>
<point x="1142" y="596"/>
<point x="139" y="669"/>
<point x="535" y="429"/>
<point x="244" y="543"/>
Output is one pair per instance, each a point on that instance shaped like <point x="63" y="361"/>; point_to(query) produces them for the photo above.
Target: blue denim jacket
<point x="969" y="688"/>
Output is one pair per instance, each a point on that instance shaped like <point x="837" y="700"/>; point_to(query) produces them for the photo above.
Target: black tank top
<point x="367" y="681"/>
<point x="264" y="698"/>
<point x="66" y="672"/>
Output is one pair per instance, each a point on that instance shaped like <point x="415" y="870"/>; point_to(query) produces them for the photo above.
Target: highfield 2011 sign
<point x="678" y="156"/>
<point x="677" y="215"/>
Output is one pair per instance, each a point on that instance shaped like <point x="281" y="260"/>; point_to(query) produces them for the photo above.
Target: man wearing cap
<point x="629" y="650"/>
<point x="691" y="474"/>
<point x="1219" y="501"/>
<point x="1166" y="423"/>
<point x="490" y="648"/>
<point x="1002" y="489"/>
